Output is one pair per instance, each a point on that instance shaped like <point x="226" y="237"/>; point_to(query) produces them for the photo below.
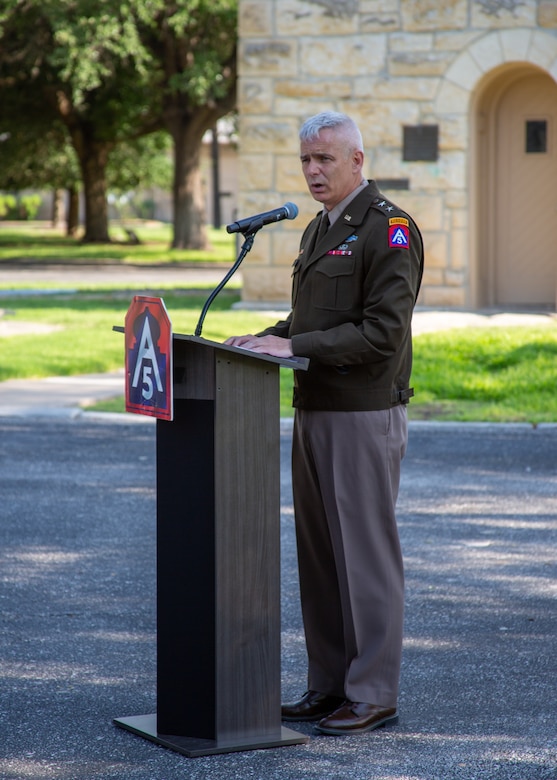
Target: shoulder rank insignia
<point x="384" y="204"/>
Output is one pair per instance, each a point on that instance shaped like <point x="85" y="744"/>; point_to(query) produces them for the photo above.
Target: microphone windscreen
<point x="291" y="210"/>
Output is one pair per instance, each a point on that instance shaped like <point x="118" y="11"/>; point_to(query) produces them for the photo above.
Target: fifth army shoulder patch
<point x="399" y="233"/>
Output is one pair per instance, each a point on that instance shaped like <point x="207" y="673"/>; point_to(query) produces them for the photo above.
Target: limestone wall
<point x="387" y="63"/>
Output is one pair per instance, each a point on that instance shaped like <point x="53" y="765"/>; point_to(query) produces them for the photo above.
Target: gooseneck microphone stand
<point x="249" y="236"/>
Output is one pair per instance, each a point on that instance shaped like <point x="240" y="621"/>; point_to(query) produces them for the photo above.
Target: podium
<point x="218" y="555"/>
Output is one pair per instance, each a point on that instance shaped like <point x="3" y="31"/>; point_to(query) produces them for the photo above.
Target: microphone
<point x="250" y="224"/>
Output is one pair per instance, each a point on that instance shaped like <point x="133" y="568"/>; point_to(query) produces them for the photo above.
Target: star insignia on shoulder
<point x="384" y="204"/>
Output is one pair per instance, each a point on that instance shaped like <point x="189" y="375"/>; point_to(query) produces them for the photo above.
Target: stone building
<point x="457" y="103"/>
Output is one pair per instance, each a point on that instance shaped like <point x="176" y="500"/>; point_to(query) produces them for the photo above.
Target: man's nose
<point x="313" y="167"/>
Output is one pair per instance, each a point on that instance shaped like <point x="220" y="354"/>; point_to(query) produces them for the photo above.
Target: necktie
<point x="323" y="226"/>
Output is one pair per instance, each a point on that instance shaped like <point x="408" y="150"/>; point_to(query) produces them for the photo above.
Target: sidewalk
<point x="57" y="396"/>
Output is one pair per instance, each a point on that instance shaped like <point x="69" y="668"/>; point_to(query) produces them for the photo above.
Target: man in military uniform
<point x="355" y="283"/>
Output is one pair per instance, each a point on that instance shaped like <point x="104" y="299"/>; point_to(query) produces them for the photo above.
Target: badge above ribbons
<point x="148" y="338"/>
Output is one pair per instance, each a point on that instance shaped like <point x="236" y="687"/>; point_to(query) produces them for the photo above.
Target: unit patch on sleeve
<point x="399" y="234"/>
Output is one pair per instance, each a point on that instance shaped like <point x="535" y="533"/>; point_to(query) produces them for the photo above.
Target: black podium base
<point x="192" y="747"/>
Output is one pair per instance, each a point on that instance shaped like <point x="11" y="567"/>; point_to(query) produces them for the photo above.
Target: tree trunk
<point x="73" y="211"/>
<point x="190" y="221"/>
<point x="93" y="160"/>
<point x="57" y="208"/>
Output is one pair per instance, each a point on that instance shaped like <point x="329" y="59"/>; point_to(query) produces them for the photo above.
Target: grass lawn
<point x="479" y="374"/>
<point x="487" y="374"/>
<point x="40" y="243"/>
<point x="85" y="341"/>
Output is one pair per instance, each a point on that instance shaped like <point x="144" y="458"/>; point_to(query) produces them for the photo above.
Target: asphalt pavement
<point x="478" y="525"/>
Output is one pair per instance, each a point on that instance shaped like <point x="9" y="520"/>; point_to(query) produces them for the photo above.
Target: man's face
<point x="331" y="171"/>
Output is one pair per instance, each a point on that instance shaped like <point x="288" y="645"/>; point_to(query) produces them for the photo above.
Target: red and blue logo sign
<point x="399" y="233"/>
<point x="148" y="336"/>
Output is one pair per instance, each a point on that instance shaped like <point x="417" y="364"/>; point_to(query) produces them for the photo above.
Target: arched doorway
<point x="516" y="179"/>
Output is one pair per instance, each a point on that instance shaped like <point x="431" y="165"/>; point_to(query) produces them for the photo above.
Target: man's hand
<point x="267" y="345"/>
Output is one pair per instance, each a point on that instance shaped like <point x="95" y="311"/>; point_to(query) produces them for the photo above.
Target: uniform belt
<point x="402" y="396"/>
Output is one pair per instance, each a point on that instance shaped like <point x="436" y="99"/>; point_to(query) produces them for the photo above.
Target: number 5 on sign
<point x="148" y="336"/>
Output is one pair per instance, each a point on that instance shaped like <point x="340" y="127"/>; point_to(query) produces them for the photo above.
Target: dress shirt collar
<point x="335" y="212"/>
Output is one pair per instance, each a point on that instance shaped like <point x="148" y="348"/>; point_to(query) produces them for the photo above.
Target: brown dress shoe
<point x="357" y="718"/>
<point x="312" y="706"/>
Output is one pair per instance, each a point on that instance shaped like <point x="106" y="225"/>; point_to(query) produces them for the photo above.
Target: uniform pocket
<point x="334" y="283"/>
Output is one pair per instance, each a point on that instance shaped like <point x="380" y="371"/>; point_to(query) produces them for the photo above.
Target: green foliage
<point x="140" y="163"/>
<point x="7" y="204"/>
<point x="197" y="22"/>
<point x="93" y="45"/>
<point x="36" y="154"/>
<point x="20" y="206"/>
<point x="30" y="205"/>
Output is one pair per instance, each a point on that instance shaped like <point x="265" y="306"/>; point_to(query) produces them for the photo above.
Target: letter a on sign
<point x="148" y="335"/>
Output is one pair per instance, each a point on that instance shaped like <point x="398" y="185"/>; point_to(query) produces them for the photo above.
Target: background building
<point x="457" y="103"/>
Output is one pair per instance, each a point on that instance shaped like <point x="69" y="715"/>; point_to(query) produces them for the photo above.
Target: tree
<point x="117" y="70"/>
<point x="194" y="44"/>
<point x="35" y="152"/>
<point x="82" y="63"/>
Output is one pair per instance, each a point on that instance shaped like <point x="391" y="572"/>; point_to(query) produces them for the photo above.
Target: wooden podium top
<point x="297" y="363"/>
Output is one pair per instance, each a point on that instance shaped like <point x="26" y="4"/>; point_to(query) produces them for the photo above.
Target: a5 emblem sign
<point x="148" y="337"/>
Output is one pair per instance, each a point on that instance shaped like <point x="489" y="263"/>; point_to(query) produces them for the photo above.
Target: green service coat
<point x="353" y="294"/>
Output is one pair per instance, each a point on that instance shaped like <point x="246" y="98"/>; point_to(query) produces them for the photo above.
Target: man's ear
<point x="357" y="160"/>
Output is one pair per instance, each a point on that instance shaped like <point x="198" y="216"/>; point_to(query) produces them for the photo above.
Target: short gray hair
<point x="331" y="119"/>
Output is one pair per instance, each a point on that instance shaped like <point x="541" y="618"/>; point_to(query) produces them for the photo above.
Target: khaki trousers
<point x="345" y="478"/>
